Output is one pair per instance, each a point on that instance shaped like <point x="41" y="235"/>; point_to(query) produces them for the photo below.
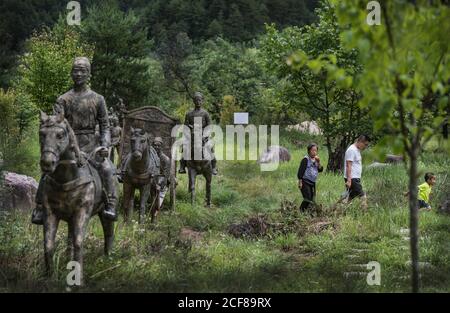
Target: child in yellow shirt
<point x="425" y="190"/>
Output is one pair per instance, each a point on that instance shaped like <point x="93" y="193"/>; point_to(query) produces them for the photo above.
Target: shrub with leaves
<point x="44" y="71"/>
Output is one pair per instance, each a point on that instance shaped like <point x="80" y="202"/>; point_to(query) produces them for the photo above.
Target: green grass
<point x="294" y="255"/>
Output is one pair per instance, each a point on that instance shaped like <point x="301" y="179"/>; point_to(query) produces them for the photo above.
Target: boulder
<point x="392" y="158"/>
<point x="308" y="127"/>
<point x="255" y="226"/>
<point x="270" y="155"/>
<point x="444" y="207"/>
<point x="377" y="165"/>
<point x="17" y="192"/>
<point x="187" y="234"/>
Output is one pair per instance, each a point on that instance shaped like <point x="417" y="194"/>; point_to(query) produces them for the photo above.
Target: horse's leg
<point x="208" y="178"/>
<point x="69" y="249"/>
<point x="111" y="155"/>
<point x="50" y="227"/>
<point x="128" y="199"/>
<point x="108" y="233"/>
<point x="80" y="222"/>
<point x="144" y="192"/>
<point x="155" y="203"/>
<point x="192" y="174"/>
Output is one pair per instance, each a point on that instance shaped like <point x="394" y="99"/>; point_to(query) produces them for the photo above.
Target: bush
<point x="44" y="73"/>
<point x="19" y="148"/>
<point x="229" y="107"/>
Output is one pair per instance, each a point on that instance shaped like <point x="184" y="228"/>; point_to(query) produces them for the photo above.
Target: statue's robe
<point x="84" y="111"/>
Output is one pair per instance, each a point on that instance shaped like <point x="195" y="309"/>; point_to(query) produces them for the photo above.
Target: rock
<point x="445" y="207"/>
<point x="393" y="159"/>
<point x="188" y="234"/>
<point x="17" y="192"/>
<point x="422" y="265"/>
<point x="377" y="165"/>
<point x="255" y="226"/>
<point x="270" y="155"/>
<point x="318" y="227"/>
<point x="389" y="160"/>
<point x="308" y="127"/>
<point x="359" y="250"/>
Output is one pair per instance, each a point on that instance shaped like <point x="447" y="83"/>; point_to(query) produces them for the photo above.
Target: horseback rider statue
<point x="198" y="111"/>
<point x="84" y="109"/>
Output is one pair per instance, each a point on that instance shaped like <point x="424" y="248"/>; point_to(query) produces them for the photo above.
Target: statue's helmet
<point x="198" y="94"/>
<point x="82" y="62"/>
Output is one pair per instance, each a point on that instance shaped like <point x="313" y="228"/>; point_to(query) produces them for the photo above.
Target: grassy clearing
<point x="297" y="252"/>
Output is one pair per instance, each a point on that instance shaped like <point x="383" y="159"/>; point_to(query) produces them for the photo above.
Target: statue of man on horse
<point x="205" y="166"/>
<point x="84" y="109"/>
<point x="198" y="112"/>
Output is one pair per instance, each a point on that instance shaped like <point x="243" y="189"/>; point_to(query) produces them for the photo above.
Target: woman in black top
<point x="307" y="175"/>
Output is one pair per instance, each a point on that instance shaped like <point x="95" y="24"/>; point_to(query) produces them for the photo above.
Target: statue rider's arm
<point x="103" y="122"/>
<point x="186" y="120"/>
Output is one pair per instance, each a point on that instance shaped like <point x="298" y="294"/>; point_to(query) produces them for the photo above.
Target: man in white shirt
<point x="353" y="169"/>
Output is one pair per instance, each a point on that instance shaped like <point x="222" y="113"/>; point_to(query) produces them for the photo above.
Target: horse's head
<point x="54" y="140"/>
<point x="139" y="143"/>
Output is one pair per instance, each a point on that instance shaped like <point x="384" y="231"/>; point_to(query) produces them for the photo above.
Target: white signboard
<point x="241" y="118"/>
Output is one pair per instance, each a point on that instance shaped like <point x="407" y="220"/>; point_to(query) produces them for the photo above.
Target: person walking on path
<point x="307" y="175"/>
<point x="353" y="169"/>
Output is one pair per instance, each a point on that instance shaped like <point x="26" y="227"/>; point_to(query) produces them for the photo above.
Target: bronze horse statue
<point x="139" y="169"/>
<point x="72" y="190"/>
<point x="199" y="167"/>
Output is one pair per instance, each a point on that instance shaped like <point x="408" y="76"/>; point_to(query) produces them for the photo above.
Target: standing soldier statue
<point x="198" y="111"/>
<point x="84" y="109"/>
<point x="164" y="179"/>
<point x="116" y="133"/>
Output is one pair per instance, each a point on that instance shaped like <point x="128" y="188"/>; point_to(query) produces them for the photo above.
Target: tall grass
<point x="294" y="255"/>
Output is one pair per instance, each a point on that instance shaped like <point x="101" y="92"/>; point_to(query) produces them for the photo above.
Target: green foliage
<point x="44" y="73"/>
<point x="406" y="67"/>
<point x="223" y="68"/>
<point x="319" y="71"/>
<point x="18" y="144"/>
<point x="174" y="53"/>
<point x="18" y="19"/>
<point x="119" y="67"/>
<point x="235" y="20"/>
<point x="405" y="81"/>
<point x="228" y="108"/>
<point x="305" y="258"/>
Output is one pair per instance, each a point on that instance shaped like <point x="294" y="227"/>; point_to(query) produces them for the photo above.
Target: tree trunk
<point x="414" y="220"/>
<point x="336" y="157"/>
<point x="445" y="130"/>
